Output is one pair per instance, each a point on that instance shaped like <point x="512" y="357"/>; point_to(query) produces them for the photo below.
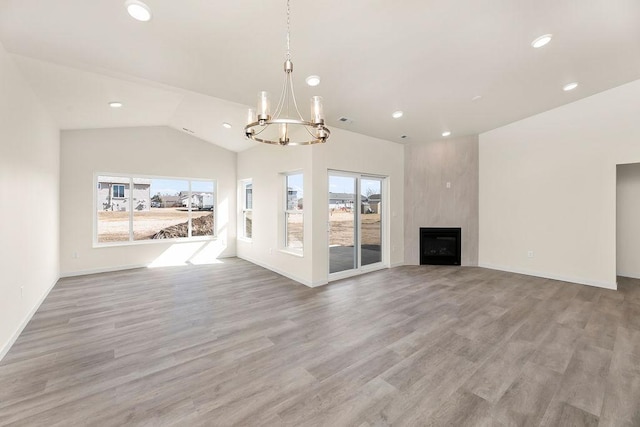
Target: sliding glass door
<point x="355" y="222"/>
<point x="342" y="223"/>
<point x="371" y="221"/>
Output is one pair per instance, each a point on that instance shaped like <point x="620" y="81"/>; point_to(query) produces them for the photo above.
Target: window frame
<point x="245" y="209"/>
<point x="130" y="203"/>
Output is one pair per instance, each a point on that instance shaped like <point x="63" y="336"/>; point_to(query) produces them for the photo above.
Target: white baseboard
<point x="629" y="275"/>
<point x="284" y="273"/>
<point x="578" y="280"/>
<point x="397" y="264"/>
<point x="117" y="268"/>
<point x="7" y="346"/>
<point x="102" y="270"/>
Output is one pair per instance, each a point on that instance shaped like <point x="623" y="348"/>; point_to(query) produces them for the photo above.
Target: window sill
<point x="97" y="245"/>
<point x="245" y="240"/>
<point x="295" y="252"/>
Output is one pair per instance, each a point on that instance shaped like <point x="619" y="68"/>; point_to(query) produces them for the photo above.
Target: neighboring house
<point x="346" y="201"/>
<point x="292" y="199"/>
<point x="374" y="203"/>
<point x="114" y="194"/>
<point x="202" y="200"/>
<point x="170" y="201"/>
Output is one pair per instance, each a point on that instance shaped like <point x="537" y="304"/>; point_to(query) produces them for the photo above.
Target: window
<point x="133" y="208"/>
<point x="118" y="191"/>
<point x="247" y="209"/>
<point x="293" y="213"/>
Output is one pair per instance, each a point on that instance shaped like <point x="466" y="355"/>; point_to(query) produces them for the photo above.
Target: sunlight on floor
<point x="196" y="253"/>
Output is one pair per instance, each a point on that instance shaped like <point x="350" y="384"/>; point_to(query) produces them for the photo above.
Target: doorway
<point x="356" y="223"/>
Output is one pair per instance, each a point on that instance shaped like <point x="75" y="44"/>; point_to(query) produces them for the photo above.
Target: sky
<point x="337" y="184"/>
<point x="172" y="187"/>
<point x="345" y="184"/>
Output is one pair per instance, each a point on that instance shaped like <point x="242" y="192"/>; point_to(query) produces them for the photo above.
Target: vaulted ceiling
<point x="199" y="63"/>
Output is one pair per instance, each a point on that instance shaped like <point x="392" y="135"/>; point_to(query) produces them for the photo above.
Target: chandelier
<point x="286" y="126"/>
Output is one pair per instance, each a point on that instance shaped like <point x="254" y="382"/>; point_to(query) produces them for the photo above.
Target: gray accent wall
<point x="428" y="200"/>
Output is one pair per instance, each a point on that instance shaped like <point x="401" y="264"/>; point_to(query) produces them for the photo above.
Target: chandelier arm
<point x="309" y="132"/>
<point x="283" y="95"/>
<point x="261" y="130"/>
<point x="295" y="103"/>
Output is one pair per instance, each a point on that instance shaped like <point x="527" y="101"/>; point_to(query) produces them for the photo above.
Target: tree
<point x="157" y="198"/>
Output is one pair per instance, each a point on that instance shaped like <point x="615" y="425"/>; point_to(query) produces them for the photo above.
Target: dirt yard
<point x="341" y="224"/>
<point x="114" y="226"/>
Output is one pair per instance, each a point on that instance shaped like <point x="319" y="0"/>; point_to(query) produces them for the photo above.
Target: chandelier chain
<point x="288" y="30"/>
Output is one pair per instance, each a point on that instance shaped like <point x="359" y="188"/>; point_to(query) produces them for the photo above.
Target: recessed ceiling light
<point x="313" y="80"/>
<point x="397" y="114"/>
<point x="115" y="104"/>
<point x="541" y="41"/>
<point x="446" y="133"/>
<point x="226" y="125"/>
<point x="476" y="98"/>
<point x="570" y="86"/>
<point x="138" y="10"/>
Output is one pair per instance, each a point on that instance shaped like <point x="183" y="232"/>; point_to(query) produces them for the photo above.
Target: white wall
<point x="628" y="221"/>
<point x="548" y="185"/>
<point x="264" y="165"/>
<point x="154" y="151"/>
<point x="345" y="151"/>
<point x="29" y="179"/>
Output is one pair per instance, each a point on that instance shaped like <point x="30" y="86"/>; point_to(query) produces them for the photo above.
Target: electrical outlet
<point x="530" y="254"/>
<point x="448" y="185"/>
<point x="21" y="292"/>
<point x="75" y="255"/>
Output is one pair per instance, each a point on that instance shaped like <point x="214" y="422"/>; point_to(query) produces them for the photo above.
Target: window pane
<point x="112" y="209"/>
<point x="294" y="192"/>
<point x="371" y="232"/>
<point x="294" y="230"/>
<point x="248" y="224"/>
<point x="294" y="226"/>
<point x="248" y="196"/>
<point x="165" y="215"/>
<point x="342" y="223"/>
<point x="203" y="208"/>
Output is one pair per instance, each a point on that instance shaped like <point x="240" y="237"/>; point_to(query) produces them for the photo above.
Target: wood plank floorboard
<point x="236" y="344"/>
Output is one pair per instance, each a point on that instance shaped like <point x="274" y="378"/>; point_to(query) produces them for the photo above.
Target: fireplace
<point x="440" y="246"/>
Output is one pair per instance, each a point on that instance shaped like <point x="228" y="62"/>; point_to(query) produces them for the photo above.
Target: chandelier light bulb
<point x="264" y="106"/>
<point x="317" y="113"/>
<point x="284" y="134"/>
<point x="251" y="116"/>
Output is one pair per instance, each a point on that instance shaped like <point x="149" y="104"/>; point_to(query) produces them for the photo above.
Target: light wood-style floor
<point x="235" y="344"/>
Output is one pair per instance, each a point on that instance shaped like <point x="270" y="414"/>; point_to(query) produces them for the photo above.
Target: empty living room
<point x="319" y="213"/>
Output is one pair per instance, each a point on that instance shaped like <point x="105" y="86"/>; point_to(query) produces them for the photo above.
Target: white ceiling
<point x="199" y="63"/>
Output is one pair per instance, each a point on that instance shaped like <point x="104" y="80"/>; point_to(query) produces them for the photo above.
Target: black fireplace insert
<point x="440" y="246"/>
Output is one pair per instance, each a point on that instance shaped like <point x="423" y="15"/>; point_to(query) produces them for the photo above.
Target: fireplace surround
<point x="440" y="246"/>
